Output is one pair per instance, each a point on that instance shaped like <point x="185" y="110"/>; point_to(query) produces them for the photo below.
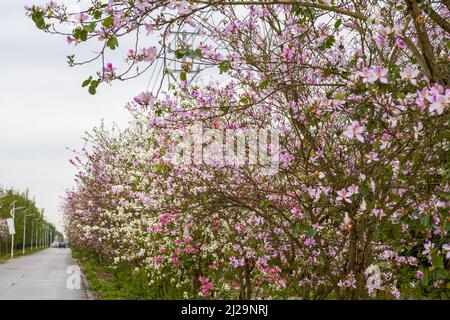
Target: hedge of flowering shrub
<point x="3" y="229"/>
<point x="358" y="95"/>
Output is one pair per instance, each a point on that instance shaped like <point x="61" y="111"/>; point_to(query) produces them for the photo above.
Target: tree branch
<point x="285" y="2"/>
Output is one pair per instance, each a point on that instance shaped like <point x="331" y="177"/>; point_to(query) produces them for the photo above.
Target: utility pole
<point x="13" y="215"/>
<point x="24" y="229"/>
<point x="36" y="234"/>
<point x="32" y="233"/>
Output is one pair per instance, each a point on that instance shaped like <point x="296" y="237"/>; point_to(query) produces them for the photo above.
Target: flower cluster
<point x="361" y="106"/>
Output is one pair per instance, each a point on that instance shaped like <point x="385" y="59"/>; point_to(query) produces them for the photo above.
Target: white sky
<point x="43" y="108"/>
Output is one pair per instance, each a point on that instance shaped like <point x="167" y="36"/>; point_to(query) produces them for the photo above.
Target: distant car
<point x="62" y="245"/>
<point x="55" y="245"/>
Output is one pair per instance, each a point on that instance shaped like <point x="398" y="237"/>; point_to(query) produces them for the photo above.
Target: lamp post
<point x="36" y="235"/>
<point x="43" y="235"/>
<point x="25" y="228"/>
<point x="32" y="233"/>
<point x="13" y="215"/>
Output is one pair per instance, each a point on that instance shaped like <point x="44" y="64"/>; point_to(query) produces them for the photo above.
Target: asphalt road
<point x="44" y="275"/>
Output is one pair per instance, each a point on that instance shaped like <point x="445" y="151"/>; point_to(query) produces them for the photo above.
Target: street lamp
<point x="32" y="233"/>
<point x="25" y="228"/>
<point x="13" y="215"/>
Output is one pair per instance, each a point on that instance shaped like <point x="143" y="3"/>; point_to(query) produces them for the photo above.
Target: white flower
<point x="409" y="74"/>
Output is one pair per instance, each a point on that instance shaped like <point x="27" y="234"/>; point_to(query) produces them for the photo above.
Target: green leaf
<point x="86" y="82"/>
<point x="437" y="262"/>
<point x="425" y="278"/>
<point x="296" y="227"/>
<point x="340" y="96"/>
<point x="93" y="86"/>
<point x="401" y="95"/>
<point x="197" y="53"/>
<point x="97" y="14"/>
<point x="113" y="43"/>
<point x="426" y="221"/>
<point x="263" y="84"/>
<point x="296" y="9"/>
<point x="327" y="44"/>
<point x="108" y="22"/>
<point x="92" y="89"/>
<point x="244" y="100"/>
<point x="38" y="19"/>
<point x="183" y="76"/>
<point x="265" y="203"/>
<point x="80" y="34"/>
<point x="311" y="233"/>
<point x="160" y="168"/>
<point x="224" y="66"/>
<point x="90" y="27"/>
<point x="338" y="23"/>
<point x="224" y="109"/>
<point x="442" y="274"/>
<point x="180" y="53"/>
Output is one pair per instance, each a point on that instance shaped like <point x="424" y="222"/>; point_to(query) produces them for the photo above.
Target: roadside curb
<point x="86" y="284"/>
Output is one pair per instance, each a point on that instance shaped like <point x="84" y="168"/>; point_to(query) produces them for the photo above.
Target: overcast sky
<point x="43" y="108"/>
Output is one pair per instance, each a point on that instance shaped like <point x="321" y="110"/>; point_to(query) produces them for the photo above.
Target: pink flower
<point x="314" y="194"/>
<point x="109" y="67"/>
<point x="81" y="17"/>
<point x="343" y="195"/>
<point x="237" y="262"/>
<point x="365" y="74"/>
<point x="149" y="28"/>
<point x="296" y="212"/>
<point x="378" y="73"/>
<point x="353" y="189"/>
<point x="69" y="39"/>
<point x="372" y="157"/>
<point x="400" y="43"/>
<point x="409" y="74"/>
<point x="355" y="130"/>
<point x="419" y="274"/>
<point x="131" y="53"/>
<point x="288" y="53"/>
<point x="378" y="213"/>
<point x="446" y="247"/>
<point x="174" y="260"/>
<point x="385" y="31"/>
<point x="438" y="102"/>
<point x="149" y="54"/>
<point x="309" y="242"/>
<point x="109" y="72"/>
<point x="207" y="286"/>
<point x="428" y="248"/>
<point x="144" y="98"/>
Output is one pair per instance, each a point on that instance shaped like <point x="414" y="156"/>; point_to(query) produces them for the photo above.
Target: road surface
<point x="41" y="276"/>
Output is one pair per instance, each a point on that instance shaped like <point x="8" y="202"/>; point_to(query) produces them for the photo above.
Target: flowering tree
<point x="3" y="230"/>
<point x="358" y="92"/>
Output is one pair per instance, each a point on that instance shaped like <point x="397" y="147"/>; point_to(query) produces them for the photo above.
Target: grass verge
<point x="107" y="283"/>
<point x="19" y="253"/>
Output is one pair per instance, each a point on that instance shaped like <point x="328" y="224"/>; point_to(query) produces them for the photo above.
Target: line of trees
<point x="38" y="231"/>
